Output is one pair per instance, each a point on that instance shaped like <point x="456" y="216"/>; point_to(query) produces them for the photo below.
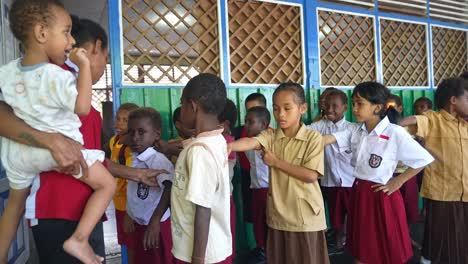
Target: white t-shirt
<point x="259" y="171"/>
<point x="142" y="200"/>
<point x="338" y="169"/>
<point x="43" y="95"/>
<point x="376" y="154"/>
<point x="202" y="178"/>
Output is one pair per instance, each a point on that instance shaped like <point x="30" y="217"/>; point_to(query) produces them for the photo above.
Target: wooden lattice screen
<point x="404" y="53"/>
<point x="449" y="53"/>
<point x="265" y="41"/>
<point x="170" y="40"/>
<point x="347" y="53"/>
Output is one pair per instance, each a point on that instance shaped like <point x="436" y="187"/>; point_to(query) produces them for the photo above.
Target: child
<point x="48" y="99"/>
<point x="322" y="104"/>
<point x="200" y="198"/>
<point x="295" y="214"/>
<point x="252" y="100"/>
<point x="147" y="221"/>
<point x="121" y="154"/>
<point x="338" y="178"/>
<point x="421" y="105"/>
<point x="228" y="119"/>
<point x="445" y="187"/>
<point x="182" y="132"/>
<point x="395" y="101"/>
<point x="376" y="230"/>
<point x="256" y="121"/>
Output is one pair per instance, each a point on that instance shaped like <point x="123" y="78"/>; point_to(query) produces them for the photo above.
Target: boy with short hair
<point x="421" y="105"/>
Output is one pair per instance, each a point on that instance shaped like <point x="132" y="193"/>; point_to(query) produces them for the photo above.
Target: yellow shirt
<point x="294" y="205"/>
<point x="120" y="197"/>
<point x="446" y="138"/>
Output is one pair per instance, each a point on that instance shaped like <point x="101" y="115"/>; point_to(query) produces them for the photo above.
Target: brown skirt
<point x="296" y="247"/>
<point x="446" y="232"/>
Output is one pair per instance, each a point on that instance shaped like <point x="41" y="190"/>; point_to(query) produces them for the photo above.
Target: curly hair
<point x="25" y="14"/>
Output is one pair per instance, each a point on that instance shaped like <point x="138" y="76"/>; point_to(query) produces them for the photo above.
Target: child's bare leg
<point x="104" y="187"/>
<point x="10" y="219"/>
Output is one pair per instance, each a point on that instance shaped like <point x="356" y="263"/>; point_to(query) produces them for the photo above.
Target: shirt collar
<point x="381" y="126"/>
<point x="300" y="135"/>
<point x="146" y="155"/>
<point x="447" y="115"/>
<point x="339" y="124"/>
<point x="211" y="133"/>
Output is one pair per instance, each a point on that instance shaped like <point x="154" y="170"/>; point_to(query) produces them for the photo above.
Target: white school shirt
<point x="338" y="168"/>
<point x="202" y="178"/>
<point x="142" y="200"/>
<point x="259" y="171"/>
<point x="376" y="154"/>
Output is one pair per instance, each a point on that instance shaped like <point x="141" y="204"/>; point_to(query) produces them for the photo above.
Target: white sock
<point x="424" y="261"/>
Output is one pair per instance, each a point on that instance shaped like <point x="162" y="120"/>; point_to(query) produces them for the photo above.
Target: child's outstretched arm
<point x="151" y="238"/>
<point x="83" y="82"/>
<point x="298" y="172"/>
<point x="243" y="144"/>
<point x="408" y="121"/>
<point x="202" y="227"/>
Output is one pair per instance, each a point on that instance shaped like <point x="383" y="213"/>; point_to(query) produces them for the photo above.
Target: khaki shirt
<point x="294" y="205"/>
<point x="446" y="138"/>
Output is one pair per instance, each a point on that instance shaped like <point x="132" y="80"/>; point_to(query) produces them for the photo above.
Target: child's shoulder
<point x="155" y="159"/>
<point x="9" y="67"/>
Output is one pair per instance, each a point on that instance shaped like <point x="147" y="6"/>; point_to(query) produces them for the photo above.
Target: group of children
<point x="188" y="215"/>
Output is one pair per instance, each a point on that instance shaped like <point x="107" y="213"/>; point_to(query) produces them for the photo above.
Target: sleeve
<point x="266" y="139"/>
<point x="160" y="162"/>
<point x="203" y="180"/>
<point x="313" y="156"/>
<point x="343" y="139"/>
<point x="410" y="152"/>
<point x="423" y="124"/>
<point x="62" y="88"/>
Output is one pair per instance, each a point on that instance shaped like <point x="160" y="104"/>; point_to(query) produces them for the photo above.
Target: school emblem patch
<point x="143" y="191"/>
<point x="374" y="161"/>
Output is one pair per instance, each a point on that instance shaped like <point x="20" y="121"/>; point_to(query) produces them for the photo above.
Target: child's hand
<point x="78" y="57"/>
<point x="269" y="158"/>
<point x="393" y="185"/>
<point x="151" y="238"/>
<point x="128" y="224"/>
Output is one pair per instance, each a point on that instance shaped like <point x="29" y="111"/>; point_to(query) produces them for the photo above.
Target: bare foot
<point x="82" y="251"/>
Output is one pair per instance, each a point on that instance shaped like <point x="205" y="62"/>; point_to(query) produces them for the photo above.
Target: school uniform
<point x="142" y="201"/>
<point x="231" y="164"/>
<point x="409" y="193"/>
<point x="202" y="178"/>
<point x="445" y="187"/>
<point x="259" y="173"/>
<point x="295" y="209"/>
<point x="120" y="154"/>
<point x="377" y="231"/>
<point x="338" y="177"/>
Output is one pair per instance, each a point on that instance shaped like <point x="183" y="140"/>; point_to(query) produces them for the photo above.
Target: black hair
<point x="447" y="88"/>
<point x="176" y="115"/>
<point x="208" y="91"/>
<point x="377" y="93"/>
<point x="328" y="90"/>
<point x="340" y="94"/>
<point x="261" y="113"/>
<point x="464" y="75"/>
<point x="85" y="30"/>
<point x="147" y="112"/>
<point x="256" y="97"/>
<point x="128" y="106"/>
<point x="424" y="100"/>
<point x="229" y="113"/>
<point x="292" y="87"/>
<point x="25" y="14"/>
<point x="396" y="98"/>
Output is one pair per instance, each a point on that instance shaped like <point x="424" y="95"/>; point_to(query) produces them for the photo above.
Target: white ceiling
<point x="95" y="10"/>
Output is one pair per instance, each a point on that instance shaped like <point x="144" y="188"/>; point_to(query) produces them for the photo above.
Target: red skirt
<point x="377" y="231"/>
<point x="338" y="205"/>
<point x="258" y="207"/>
<point x="233" y="229"/>
<point x="122" y="237"/>
<point x="162" y="254"/>
<point x="409" y="192"/>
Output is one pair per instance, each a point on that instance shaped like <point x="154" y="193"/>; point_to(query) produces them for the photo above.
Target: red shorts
<point x="338" y="205"/>
<point x="122" y="237"/>
<point x="377" y="231"/>
<point x="258" y="207"/>
<point x="162" y="254"/>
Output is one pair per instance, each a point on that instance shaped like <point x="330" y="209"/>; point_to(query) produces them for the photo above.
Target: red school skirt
<point x="409" y="193"/>
<point x="377" y="231"/>
<point x="258" y="207"/>
<point x="338" y="205"/>
<point x="121" y="235"/>
<point x="160" y="255"/>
